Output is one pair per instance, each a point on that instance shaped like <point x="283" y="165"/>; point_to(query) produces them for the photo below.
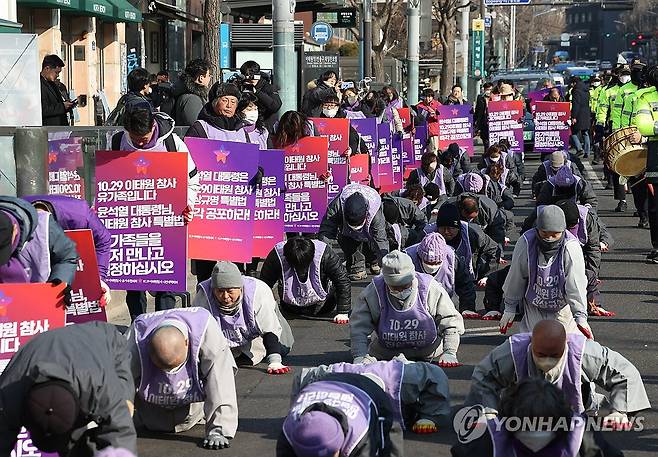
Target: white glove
<point x="482" y="283"/>
<point x="617" y="420"/>
<point x="107" y="296"/>
<point x="448" y="360"/>
<point x="506" y="322"/>
<point x="585" y="329"/>
<point x="341" y="319"/>
<point x="277" y="368"/>
<point x="603" y="246"/>
<point x="365" y="360"/>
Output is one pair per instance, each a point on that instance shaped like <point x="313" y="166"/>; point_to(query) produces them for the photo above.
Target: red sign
<point x="86" y="288"/>
<point x="359" y="169"/>
<point x="337" y="131"/>
<point x="405" y="117"/>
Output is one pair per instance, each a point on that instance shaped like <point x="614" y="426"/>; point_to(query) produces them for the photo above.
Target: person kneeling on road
<point x="344" y="415"/>
<point x="183" y="371"/>
<point x="312" y="279"/>
<point x="409" y="313"/>
<point x="248" y="315"/>
<point x="418" y="391"/>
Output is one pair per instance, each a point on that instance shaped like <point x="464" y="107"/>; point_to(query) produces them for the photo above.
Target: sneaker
<point x="468" y="314"/>
<point x="621" y="207"/>
<point x="358" y="276"/>
<point x="375" y="269"/>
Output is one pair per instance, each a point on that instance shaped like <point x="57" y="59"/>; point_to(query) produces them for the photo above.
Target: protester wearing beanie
<point x="59" y="380"/>
<point x="248" y="315"/>
<point x="397" y="295"/>
<point x="316" y="426"/>
<point x="549" y="167"/>
<point x="433" y="256"/>
<point x="564" y="184"/>
<point x="475" y="249"/>
<point x="355" y="218"/>
<point x="547" y="277"/>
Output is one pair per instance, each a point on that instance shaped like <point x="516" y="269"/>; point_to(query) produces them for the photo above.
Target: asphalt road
<point x="630" y="288"/>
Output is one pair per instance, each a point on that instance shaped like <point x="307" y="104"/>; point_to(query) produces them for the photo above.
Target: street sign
<point x="565" y="37"/>
<point x="477" y="52"/>
<point x="342" y="18"/>
<point x="487" y="21"/>
<point x="505" y="2"/>
<point x="321" y="32"/>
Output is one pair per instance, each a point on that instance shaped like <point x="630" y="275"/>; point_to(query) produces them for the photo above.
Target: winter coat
<point x="53" y="111"/>
<point x="93" y="359"/>
<point x="331" y="270"/>
<point x="584" y="194"/>
<point x="580" y="109"/>
<point x="269" y="101"/>
<point x="190" y="98"/>
<point x="491" y="219"/>
<point x="75" y="214"/>
<point x="207" y="114"/>
<point x="312" y="102"/>
<point x="432" y="120"/>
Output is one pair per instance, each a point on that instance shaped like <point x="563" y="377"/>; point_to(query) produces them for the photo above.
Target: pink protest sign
<point x="270" y="204"/>
<point x="456" y="126"/>
<point x="140" y="198"/>
<point x="223" y="224"/>
<point x="65" y="163"/>
<point x="384" y="158"/>
<point x="506" y="121"/>
<point x="306" y="191"/>
<point x="367" y="130"/>
<point x="337" y="131"/>
<point x="359" y="169"/>
<point x="552" y="130"/>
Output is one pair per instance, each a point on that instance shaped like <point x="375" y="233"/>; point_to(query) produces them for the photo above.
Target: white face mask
<point x="494" y="159"/>
<point x="432" y="166"/>
<point x="401" y="295"/>
<point x="330" y="112"/>
<point x="250" y="117"/>
<point x="596" y="84"/>
<point x="625" y="79"/>
<point x="351" y="99"/>
<point x="431" y="269"/>
<point x="356" y="228"/>
<point x="535" y="441"/>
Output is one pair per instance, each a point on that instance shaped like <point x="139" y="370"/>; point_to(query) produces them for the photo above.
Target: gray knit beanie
<point x="226" y="275"/>
<point x="551" y="219"/>
<point x="398" y="269"/>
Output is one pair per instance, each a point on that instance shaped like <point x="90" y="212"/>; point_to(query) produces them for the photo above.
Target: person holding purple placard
<point x="428" y="108"/>
<point x="312" y="279"/>
<point x="406" y="312"/>
<point x="356" y="220"/>
<point x="183" y="370"/>
<point x="218" y="120"/>
<point x="248" y="315"/>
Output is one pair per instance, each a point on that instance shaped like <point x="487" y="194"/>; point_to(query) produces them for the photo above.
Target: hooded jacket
<point x="62" y="254"/>
<point x="190" y="98"/>
<point x="75" y="214"/>
<point x="99" y="376"/>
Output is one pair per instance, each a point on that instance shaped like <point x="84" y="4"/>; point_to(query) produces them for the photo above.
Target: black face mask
<point x="549" y="248"/>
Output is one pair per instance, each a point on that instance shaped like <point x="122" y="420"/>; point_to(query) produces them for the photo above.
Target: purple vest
<point x="253" y="135"/>
<point x="299" y="293"/>
<point x="545" y="284"/>
<point x="213" y="133"/>
<point x="126" y="145"/>
<point x="409" y="328"/>
<point x="374" y="202"/>
<point x="390" y="372"/>
<point x="580" y="230"/>
<point x="170" y="390"/>
<point x="395" y="104"/>
<point x="352" y="401"/>
<point x="438" y="178"/>
<point x="446" y="274"/>
<point x="549" y="171"/>
<point x="35" y="253"/>
<point x="576" y="182"/>
<point x="464" y="251"/>
<point x="504" y="444"/>
<point x="571" y="378"/>
<point x="241" y="327"/>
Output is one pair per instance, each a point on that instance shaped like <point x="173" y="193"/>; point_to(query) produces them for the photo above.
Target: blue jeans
<point x="577" y="144"/>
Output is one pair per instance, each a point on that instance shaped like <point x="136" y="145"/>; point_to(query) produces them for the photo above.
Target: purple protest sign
<point x="505" y="121"/>
<point x="384" y="158"/>
<point x="551" y="128"/>
<point x="270" y="204"/>
<point x="223" y="224"/>
<point x="367" y="130"/>
<point x="420" y="142"/>
<point x="26" y="448"/>
<point x="140" y="198"/>
<point x="456" y="126"/>
<point x="306" y="191"/>
<point x="65" y="164"/>
<point x="397" y="146"/>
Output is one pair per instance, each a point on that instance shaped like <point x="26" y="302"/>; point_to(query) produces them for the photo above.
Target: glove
<point x="492" y="316"/>
<point x="277" y="368"/>
<point x="346" y="153"/>
<point x="604" y="247"/>
<point x="341" y="319"/>
<point x="187" y="215"/>
<point x="424" y="426"/>
<point x="617" y="421"/>
<point x="506" y="322"/>
<point x="482" y="283"/>
<point x="365" y="360"/>
<point x="106" y="298"/>
<point x="215" y="440"/>
<point x="64" y="295"/>
<point x="448" y="360"/>
<point x="585" y="330"/>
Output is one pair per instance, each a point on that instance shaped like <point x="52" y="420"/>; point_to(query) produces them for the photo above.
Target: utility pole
<point x="512" y="37"/>
<point x="285" y="76"/>
<point x="464" y="29"/>
<point x="413" y="50"/>
<point x="367" y="38"/>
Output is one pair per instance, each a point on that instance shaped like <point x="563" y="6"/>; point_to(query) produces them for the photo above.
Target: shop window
<point x="78" y="53"/>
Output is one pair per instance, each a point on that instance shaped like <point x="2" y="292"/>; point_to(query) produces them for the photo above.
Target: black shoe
<point x="652" y="257"/>
<point x="621" y="207"/>
<point x="643" y="224"/>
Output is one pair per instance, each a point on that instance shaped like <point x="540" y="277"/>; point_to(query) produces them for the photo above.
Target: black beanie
<point x="571" y="213"/>
<point x="355" y="209"/>
<point x="51" y="412"/>
<point x="448" y="216"/>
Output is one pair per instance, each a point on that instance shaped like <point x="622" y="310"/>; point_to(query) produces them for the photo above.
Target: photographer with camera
<point x="258" y="83"/>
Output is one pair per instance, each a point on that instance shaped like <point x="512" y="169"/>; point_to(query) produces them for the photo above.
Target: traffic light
<point x="491" y="64"/>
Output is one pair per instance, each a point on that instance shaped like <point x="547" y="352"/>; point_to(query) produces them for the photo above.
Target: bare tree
<point x="643" y="17"/>
<point x="211" y="21"/>
<point x="445" y="12"/>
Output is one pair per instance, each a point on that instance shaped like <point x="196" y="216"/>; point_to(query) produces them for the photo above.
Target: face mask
<point x="401" y="295"/>
<point x="431" y="269"/>
<point x="535" y="441"/>
<point x="625" y="79"/>
<point x="330" y="112"/>
<point x="250" y="117"/>
<point x="432" y="166"/>
<point x="494" y="159"/>
<point x="351" y="99"/>
<point x="487" y="93"/>
<point x="596" y="84"/>
<point x="356" y="228"/>
<point x="545" y="364"/>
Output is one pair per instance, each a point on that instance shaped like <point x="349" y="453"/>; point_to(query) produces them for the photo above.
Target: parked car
<point x="583" y="73"/>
